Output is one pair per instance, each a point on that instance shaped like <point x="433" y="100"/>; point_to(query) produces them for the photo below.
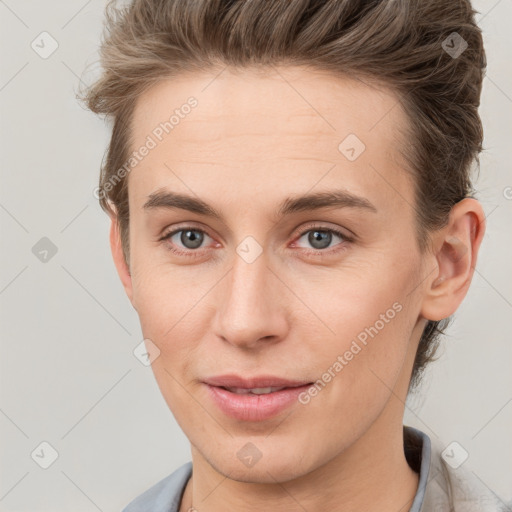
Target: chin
<point x="268" y="469"/>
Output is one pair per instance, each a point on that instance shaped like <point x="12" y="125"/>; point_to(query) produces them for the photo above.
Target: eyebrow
<point x="166" y="199"/>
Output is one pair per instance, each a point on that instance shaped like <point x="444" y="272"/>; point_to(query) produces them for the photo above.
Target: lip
<point x="262" y="381"/>
<point x="249" y="407"/>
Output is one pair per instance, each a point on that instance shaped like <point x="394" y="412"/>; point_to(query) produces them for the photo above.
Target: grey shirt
<point x="443" y="486"/>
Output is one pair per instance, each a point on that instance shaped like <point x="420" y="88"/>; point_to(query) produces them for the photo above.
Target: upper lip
<point x="262" y="381"/>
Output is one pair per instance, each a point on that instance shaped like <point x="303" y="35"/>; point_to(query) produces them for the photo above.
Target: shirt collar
<point x="418" y="453"/>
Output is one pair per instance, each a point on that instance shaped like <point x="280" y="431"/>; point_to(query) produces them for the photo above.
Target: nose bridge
<point x="249" y="278"/>
<point x="247" y="309"/>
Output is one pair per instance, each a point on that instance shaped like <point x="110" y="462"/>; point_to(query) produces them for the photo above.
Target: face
<point x="257" y="280"/>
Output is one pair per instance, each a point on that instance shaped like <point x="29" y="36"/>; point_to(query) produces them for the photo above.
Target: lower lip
<point x="251" y="407"/>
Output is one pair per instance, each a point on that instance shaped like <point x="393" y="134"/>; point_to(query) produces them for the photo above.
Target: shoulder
<point x="164" y="496"/>
<point x="449" y="484"/>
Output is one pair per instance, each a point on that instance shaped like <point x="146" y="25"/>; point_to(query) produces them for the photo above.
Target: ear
<point x="118" y="256"/>
<point x="455" y="253"/>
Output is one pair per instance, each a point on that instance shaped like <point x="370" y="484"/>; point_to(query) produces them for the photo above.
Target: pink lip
<point x="263" y="381"/>
<point x="254" y="407"/>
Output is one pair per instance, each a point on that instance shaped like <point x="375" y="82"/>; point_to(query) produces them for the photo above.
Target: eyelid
<point x="345" y="233"/>
<point x="165" y="233"/>
<point x="329" y="251"/>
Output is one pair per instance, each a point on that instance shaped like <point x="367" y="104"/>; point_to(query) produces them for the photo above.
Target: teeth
<point x="254" y="391"/>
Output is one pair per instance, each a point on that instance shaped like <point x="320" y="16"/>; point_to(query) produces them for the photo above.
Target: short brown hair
<point x="411" y="46"/>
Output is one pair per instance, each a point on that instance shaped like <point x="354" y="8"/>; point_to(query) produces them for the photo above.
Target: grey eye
<point x="319" y="239"/>
<point x="191" y="238"/>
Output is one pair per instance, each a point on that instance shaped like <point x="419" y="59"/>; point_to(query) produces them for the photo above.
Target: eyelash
<point x="315" y="252"/>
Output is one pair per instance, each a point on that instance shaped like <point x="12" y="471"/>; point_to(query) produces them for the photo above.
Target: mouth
<point x="264" y="382"/>
<point x="254" y="391"/>
<point x="254" y="399"/>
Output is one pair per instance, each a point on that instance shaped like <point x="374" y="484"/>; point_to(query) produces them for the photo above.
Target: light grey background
<point x="68" y="374"/>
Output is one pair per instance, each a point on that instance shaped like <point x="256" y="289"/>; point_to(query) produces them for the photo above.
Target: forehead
<point x="317" y="103"/>
<point x="280" y="127"/>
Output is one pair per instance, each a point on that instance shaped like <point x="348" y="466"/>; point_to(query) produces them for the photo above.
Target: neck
<point x="371" y="475"/>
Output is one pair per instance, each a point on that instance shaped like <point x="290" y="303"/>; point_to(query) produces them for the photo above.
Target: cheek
<point x="359" y="372"/>
<point x="370" y="320"/>
<point x="349" y="301"/>
<point x="173" y="308"/>
<point x="163" y="294"/>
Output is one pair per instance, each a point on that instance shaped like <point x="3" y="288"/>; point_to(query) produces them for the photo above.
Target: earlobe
<point x="119" y="259"/>
<point x="456" y="250"/>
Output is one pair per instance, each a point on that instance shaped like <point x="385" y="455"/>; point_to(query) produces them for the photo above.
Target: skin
<point x="253" y="140"/>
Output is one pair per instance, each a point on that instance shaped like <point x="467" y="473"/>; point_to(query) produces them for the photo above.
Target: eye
<point x="186" y="240"/>
<point x="188" y="237"/>
<point x="320" y="238"/>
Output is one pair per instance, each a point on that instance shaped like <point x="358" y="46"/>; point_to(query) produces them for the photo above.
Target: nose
<point x="251" y="310"/>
